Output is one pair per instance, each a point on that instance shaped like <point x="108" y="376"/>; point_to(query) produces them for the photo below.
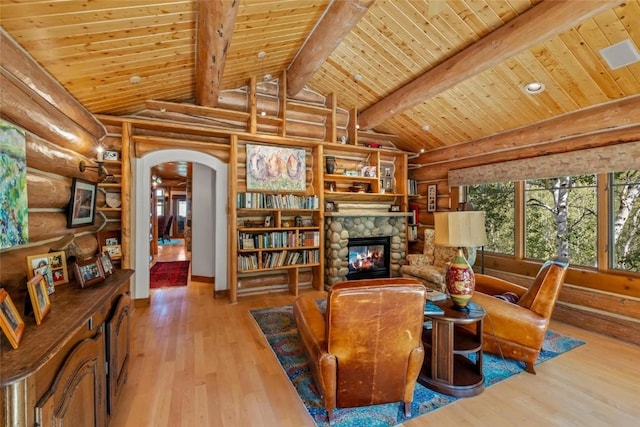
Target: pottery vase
<point x="330" y="164"/>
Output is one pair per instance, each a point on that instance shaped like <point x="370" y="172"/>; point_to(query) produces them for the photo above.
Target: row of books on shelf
<point x="276" y="201"/>
<point x="412" y="232"/>
<point x="278" y="239"/>
<point x="412" y="186"/>
<point x="278" y="259"/>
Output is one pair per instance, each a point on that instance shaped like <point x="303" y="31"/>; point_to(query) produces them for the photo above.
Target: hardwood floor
<point x="200" y="361"/>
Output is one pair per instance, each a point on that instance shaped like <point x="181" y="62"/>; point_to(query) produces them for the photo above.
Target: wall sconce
<point x="102" y="172"/>
<point x="103" y="175"/>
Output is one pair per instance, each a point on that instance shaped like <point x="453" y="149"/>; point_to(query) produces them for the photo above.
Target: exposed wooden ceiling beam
<point x="538" y="24"/>
<point x="337" y="22"/>
<point x="216" y="21"/>
<point x="617" y="114"/>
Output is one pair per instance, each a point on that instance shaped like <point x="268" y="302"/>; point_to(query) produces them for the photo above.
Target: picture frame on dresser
<point x="82" y="205"/>
<point x="11" y="322"/>
<point x="107" y="265"/>
<point x="40" y="302"/>
<point x="115" y="251"/>
<point x="89" y="271"/>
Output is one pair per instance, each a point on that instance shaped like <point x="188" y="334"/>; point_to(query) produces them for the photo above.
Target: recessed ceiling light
<point x="534" y="88"/>
<point x="422" y="150"/>
<point x="426" y="128"/>
<point x="135" y="80"/>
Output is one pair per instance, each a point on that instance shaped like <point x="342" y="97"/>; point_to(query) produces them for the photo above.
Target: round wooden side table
<point x="447" y="367"/>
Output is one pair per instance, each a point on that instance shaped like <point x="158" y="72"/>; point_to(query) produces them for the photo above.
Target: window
<point x="498" y="202"/>
<point x="625" y="220"/>
<point x="561" y="219"/>
<point x="159" y="201"/>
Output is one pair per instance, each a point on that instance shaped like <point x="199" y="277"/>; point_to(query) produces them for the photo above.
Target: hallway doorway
<point x="209" y="247"/>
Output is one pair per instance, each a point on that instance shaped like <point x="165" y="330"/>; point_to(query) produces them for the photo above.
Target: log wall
<point x="59" y="134"/>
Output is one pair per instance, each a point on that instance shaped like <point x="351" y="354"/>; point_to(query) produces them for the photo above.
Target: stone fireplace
<point x="341" y="227"/>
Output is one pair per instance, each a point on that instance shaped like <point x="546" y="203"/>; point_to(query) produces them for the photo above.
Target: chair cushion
<point x="511" y="297"/>
<point x="430" y="273"/>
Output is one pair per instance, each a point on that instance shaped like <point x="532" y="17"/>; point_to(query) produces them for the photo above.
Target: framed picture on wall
<point x="82" y="206"/>
<point x="275" y="168"/>
<point x="432" y="194"/>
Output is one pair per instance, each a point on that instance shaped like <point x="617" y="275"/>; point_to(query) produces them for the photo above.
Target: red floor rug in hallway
<point x="166" y="274"/>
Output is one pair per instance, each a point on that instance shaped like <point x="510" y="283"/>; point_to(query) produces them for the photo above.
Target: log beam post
<point x="333" y="27"/>
<point x="216" y="20"/>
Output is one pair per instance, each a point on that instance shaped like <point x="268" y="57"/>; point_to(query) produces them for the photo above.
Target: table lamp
<point x="460" y="229"/>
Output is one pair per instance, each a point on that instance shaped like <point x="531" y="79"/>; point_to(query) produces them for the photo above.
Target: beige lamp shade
<point x="460" y="228"/>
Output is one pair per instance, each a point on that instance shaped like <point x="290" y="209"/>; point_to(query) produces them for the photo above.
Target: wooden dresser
<point x="69" y="369"/>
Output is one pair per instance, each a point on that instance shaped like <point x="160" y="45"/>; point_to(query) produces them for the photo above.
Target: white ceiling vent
<point x="620" y="54"/>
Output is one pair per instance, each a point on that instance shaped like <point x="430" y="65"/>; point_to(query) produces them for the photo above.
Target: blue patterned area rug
<point x="279" y="327"/>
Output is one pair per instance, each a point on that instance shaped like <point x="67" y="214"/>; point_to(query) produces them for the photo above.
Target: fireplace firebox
<point x="369" y="257"/>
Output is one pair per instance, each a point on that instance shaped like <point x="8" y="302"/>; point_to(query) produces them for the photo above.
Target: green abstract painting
<point x="14" y="228"/>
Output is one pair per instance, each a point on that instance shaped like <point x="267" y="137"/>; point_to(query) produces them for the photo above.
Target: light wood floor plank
<point x="200" y="361"/>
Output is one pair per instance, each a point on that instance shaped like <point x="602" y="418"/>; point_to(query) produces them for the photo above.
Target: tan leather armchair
<point x="367" y="348"/>
<point x="516" y="331"/>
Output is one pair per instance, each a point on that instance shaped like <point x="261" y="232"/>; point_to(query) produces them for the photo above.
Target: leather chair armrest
<point x="511" y="322"/>
<point x="311" y="326"/>
<point x="493" y="286"/>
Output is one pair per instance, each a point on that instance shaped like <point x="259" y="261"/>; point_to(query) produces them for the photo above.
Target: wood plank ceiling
<point x="94" y="47"/>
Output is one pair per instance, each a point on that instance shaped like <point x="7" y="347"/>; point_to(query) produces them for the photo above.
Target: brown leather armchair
<point x="516" y="331"/>
<point x="366" y="348"/>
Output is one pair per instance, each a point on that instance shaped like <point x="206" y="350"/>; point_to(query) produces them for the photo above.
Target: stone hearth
<point x="339" y="228"/>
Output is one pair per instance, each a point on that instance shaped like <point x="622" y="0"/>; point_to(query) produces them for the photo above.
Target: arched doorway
<point x="142" y="208"/>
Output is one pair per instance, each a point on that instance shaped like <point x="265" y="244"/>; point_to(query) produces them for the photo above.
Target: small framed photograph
<point x="329" y="207"/>
<point x="432" y="194"/>
<point x="11" y="322"/>
<point x="89" y="271"/>
<point x="330" y="186"/>
<point x="110" y="155"/>
<point x="110" y="241"/>
<point x="107" y="265"/>
<point x="53" y="266"/>
<point x="268" y="221"/>
<point x="369" y="171"/>
<point x="82" y="207"/>
<point x="394" y="208"/>
<point x="40" y="301"/>
<point x="114" y="251"/>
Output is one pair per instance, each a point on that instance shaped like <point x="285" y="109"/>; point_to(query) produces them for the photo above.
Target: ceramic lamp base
<point x="460" y="281"/>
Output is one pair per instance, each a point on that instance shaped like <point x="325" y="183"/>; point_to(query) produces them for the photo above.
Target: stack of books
<point x="432" y="309"/>
<point x="433" y="295"/>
